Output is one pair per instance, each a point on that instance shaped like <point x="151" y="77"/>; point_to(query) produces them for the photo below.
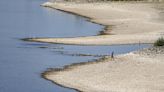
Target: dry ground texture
<point x="140" y="71"/>
<point x="126" y="23"/>
<point x="132" y="72"/>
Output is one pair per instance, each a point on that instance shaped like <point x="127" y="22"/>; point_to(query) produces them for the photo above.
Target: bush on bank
<point x="159" y="42"/>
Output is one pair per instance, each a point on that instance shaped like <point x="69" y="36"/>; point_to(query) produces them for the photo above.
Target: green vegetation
<point x="159" y="42"/>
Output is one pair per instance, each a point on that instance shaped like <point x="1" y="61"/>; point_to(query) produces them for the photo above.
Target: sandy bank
<point x="102" y="40"/>
<point x="131" y="23"/>
<point x="132" y="72"/>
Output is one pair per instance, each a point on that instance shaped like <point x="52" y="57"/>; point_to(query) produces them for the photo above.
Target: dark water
<point x="21" y="63"/>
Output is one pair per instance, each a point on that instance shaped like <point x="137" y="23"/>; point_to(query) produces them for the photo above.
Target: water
<point x="21" y="63"/>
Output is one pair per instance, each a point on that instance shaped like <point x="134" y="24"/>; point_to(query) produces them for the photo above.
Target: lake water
<point x="21" y="63"/>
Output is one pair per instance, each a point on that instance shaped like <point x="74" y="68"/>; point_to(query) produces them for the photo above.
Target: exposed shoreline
<point x="139" y="71"/>
<point x="141" y="67"/>
<point x="139" y="28"/>
<point x="67" y="68"/>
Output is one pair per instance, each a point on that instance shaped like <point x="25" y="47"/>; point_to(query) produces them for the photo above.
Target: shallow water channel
<point x="21" y="63"/>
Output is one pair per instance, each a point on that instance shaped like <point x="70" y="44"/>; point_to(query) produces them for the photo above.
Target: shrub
<point x="159" y="42"/>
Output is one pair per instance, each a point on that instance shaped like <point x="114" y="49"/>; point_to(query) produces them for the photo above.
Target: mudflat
<point x="126" y="23"/>
<point x="133" y="72"/>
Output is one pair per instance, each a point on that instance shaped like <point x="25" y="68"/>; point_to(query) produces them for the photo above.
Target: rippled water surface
<point x="21" y="63"/>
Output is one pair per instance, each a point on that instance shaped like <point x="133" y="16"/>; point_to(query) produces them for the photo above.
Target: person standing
<point x="112" y="55"/>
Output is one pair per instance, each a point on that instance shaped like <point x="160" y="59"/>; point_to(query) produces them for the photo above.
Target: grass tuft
<point x="159" y="42"/>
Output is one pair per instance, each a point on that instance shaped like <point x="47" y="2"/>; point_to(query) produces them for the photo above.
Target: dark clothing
<point x="112" y="55"/>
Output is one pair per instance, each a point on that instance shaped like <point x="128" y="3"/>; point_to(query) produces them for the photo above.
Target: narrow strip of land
<point x="126" y="23"/>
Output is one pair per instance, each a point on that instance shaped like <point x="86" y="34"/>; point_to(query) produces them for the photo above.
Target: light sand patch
<point x="133" y="72"/>
<point x="133" y="22"/>
<point x="103" y="40"/>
